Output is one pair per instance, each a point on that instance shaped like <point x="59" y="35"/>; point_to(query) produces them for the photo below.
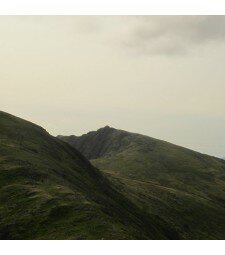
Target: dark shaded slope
<point x="183" y="187"/>
<point x="98" y="144"/>
<point x="48" y="190"/>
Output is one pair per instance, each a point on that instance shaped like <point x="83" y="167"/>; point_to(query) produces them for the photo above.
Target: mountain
<point x="48" y="190"/>
<point x="184" y="188"/>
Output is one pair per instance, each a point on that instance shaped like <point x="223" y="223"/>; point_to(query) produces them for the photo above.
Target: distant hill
<point x="183" y="187"/>
<point x="48" y="190"/>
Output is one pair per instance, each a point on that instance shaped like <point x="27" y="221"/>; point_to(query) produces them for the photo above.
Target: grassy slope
<point x="183" y="187"/>
<point x="48" y="190"/>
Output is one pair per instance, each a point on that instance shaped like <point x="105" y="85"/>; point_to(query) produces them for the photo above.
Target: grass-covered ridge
<point x="48" y="190"/>
<point x="183" y="187"/>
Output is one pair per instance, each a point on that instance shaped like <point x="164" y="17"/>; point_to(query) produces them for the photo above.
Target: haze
<point x="162" y="76"/>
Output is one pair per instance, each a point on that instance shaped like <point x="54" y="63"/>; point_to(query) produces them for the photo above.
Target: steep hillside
<point x="183" y="187"/>
<point x="48" y="190"/>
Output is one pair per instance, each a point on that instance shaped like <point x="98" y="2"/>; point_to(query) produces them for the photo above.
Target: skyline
<point x="158" y="76"/>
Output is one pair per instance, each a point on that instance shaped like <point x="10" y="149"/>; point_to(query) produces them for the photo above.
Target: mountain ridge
<point x="49" y="190"/>
<point x="71" y="139"/>
<point x="163" y="178"/>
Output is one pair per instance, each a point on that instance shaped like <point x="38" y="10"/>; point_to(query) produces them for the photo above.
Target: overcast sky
<point x="163" y="76"/>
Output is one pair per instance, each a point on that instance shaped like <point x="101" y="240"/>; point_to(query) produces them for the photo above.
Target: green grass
<point x="48" y="190"/>
<point x="184" y="188"/>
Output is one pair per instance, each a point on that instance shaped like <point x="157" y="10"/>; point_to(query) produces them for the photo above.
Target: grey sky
<point x="162" y="76"/>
